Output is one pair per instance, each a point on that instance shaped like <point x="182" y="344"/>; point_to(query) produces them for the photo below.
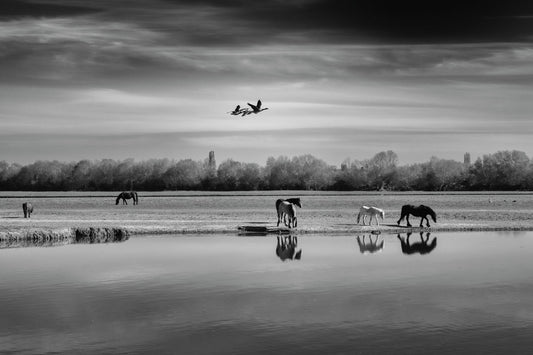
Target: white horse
<point x="286" y="209"/>
<point x="372" y="212"/>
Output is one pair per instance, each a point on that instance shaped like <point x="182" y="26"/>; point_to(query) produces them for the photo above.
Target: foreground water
<point x="454" y="293"/>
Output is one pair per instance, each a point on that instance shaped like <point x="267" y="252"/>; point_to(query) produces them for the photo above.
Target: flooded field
<point x="439" y="293"/>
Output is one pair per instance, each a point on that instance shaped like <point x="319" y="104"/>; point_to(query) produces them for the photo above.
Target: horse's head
<point x="382" y="214"/>
<point x="118" y="199"/>
<point x="295" y="201"/>
<point x="433" y="215"/>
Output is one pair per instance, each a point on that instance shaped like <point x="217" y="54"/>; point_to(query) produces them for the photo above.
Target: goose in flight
<point x="238" y="110"/>
<point x="257" y="108"/>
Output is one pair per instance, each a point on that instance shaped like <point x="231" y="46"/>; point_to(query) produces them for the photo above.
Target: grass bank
<point x="59" y="215"/>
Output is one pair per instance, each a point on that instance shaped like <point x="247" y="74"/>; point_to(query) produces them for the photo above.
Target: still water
<point x="440" y="293"/>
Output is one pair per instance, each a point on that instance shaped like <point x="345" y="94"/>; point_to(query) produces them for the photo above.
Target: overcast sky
<point x="152" y="79"/>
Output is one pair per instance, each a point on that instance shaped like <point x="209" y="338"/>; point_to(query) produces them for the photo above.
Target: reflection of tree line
<point x="286" y="245"/>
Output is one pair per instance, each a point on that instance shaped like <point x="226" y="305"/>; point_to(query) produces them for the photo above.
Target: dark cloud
<point x="409" y="21"/>
<point x="234" y="22"/>
<point x="21" y="8"/>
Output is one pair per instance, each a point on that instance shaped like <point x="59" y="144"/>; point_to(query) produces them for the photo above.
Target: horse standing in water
<point x="27" y="208"/>
<point x="419" y="211"/>
<point x="372" y="212"/>
<point x="126" y="196"/>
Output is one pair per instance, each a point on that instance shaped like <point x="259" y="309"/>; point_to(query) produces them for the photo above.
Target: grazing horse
<point x="422" y="247"/>
<point x="419" y="211"/>
<point x="371" y="247"/>
<point x="27" y="208"/>
<point x="126" y="196"/>
<point x="286" y="248"/>
<point x="372" y="212"/>
<point x="286" y="209"/>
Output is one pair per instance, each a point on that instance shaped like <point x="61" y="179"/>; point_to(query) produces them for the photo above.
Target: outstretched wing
<point x="255" y="108"/>
<point x="259" y="104"/>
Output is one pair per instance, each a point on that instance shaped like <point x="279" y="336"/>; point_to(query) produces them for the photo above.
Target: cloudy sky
<point x="151" y="79"/>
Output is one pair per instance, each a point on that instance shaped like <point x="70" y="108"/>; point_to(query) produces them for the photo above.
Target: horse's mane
<point x="295" y="201"/>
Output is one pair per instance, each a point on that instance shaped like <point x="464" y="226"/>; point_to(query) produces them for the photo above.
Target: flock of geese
<point x="247" y="111"/>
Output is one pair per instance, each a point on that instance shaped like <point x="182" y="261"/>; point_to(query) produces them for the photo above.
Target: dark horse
<point x="419" y="211"/>
<point x="27" y="208"/>
<point x="422" y="247"/>
<point x="126" y="196"/>
<point x="286" y="248"/>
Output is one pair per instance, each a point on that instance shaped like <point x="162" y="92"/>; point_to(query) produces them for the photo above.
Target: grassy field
<point x="207" y="212"/>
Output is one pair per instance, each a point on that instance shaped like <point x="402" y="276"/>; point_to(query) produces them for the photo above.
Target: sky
<point x="94" y="79"/>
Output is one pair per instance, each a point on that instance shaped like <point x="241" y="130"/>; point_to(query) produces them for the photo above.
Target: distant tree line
<point x="503" y="170"/>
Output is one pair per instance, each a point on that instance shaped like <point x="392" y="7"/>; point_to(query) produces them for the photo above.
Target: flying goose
<point x="257" y="108"/>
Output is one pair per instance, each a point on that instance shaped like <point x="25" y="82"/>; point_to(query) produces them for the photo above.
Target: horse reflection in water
<point x="422" y="247"/>
<point x="371" y="247"/>
<point x="286" y="248"/>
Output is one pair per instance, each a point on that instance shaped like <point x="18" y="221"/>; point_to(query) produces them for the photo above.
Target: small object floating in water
<point x="263" y="230"/>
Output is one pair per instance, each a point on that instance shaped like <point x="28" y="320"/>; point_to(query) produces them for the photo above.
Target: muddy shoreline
<point x="91" y="235"/>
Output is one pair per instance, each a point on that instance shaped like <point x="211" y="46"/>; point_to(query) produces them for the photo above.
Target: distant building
<point x="212" y="162"/>
<point x="467" y="159"/>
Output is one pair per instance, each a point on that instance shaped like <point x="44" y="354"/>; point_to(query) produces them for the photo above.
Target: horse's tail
<point x="278" y="202"/>
<point x="118" y="198"/>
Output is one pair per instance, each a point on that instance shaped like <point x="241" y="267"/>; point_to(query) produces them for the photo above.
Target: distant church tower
<point x="467" y="159"/>
<point x="212" y="162"/>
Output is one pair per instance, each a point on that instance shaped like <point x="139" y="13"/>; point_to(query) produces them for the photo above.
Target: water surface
<point x="455" y="293"/>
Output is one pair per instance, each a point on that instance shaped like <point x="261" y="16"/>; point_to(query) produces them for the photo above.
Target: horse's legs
<point x="427" y="221"/>
<point x="295" y="223"/>
<point x="401" y="217"/>
<point x="407" y="219"/>
<point x="358" y="217"/>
